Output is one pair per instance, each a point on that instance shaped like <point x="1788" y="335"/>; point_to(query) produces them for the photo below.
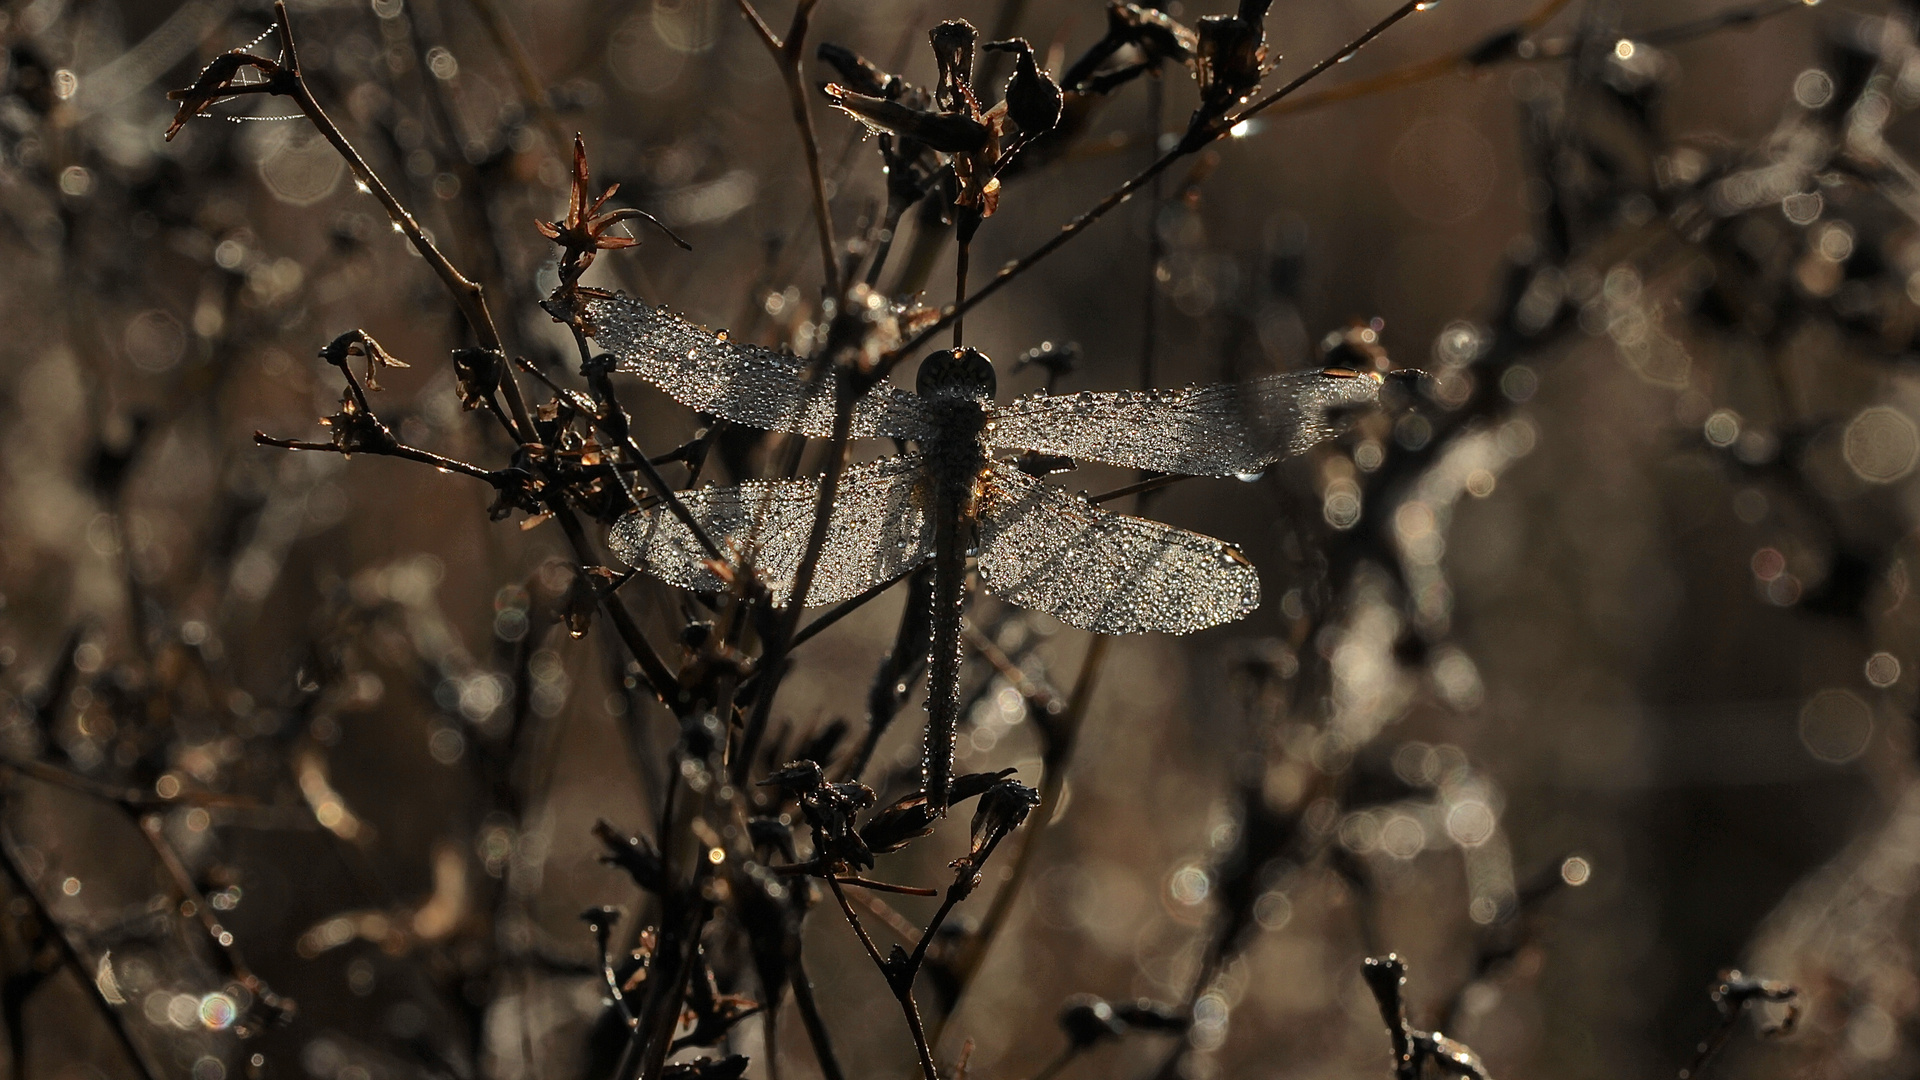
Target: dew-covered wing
<point x="1201" y="431"/>
<point x="1050" y="550"/>
<point x="747" y="384"/>
<point x="879" y="531"/>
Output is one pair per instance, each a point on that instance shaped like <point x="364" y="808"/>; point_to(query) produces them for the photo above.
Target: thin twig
<point x="523" y="73"/>
<point x="1151" y="483"/>
<point x="811" y="1020"/>
<point x="397" y="450"/>
<point x="850" y="387"/>
<point x="467" y="293"/>
<point x="884" y="886"/>
<point x="1063" y="734"/>
<point x="664" y="684"/>
<point x="1323" y="66"/>
<point x="842" y="610"/>
<point x="1192" y="143"/>
<point x="787" y="56"/>
<point x="895" y="979"/>
<point x="116" y="1022"/>
<point x="125" y="798"/>
<point x="1424" y="71"/>
<point x="222" y="939"/>
<point x="613" y="420"/>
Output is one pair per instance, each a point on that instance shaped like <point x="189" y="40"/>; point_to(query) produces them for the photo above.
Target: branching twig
<point x="69" y="953"/>
<point x="1195" y="139"/>
<point x="1386" y="976"/>
<point x="397" y="450"/>
<point x="283" y="78"/>
<point x="787" y="55"/>
<point x="1731" y="995"/>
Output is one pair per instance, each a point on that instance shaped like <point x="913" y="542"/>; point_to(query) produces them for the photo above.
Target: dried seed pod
<point x="859" y="73"/>
<point x="1229" y="64"/>
<point x="477" y="373"/>
<point x="953" y="43"/>
<point x="1034" y="100"/>
<point x="357" y="430"/>
<point x="950" y="132"/>
<point x="896" y="826"/>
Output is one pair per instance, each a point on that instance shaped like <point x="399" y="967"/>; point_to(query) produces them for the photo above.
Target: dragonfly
<point x="1033" y="544"/>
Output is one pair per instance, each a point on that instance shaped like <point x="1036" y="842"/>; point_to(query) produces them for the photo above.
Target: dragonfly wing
<point x="1201" y="431"/>
<point x="880" y="530"/>
<point x="747" y="384"/>
<point x="1050" y="550"/>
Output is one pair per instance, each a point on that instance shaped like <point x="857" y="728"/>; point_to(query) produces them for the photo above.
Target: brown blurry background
<point x="1596" y="636"/>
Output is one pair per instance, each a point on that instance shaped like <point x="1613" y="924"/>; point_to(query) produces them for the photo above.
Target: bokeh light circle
<point x="1835" y="726"/>
<point x="1881" y="445"/>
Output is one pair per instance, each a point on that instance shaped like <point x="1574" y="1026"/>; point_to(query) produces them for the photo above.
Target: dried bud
<point x="799" y="778"/>
<point x="950" y="132"/>
<point x="975" y="783"/>
<point x="1087" y="1021"/>
<point x="1152" y="30"/>
<point x="1033" y="99"/>
<point x="1231" y="61"/>
<point x="859" y="73"/>
<point x="477" y="373"/>
<point x="893" y="828"/>
<point x="583" y="599"/>
<point x="1002" y="808"/>
<point x="953" y="51"/>
<point x="356" y="430"/>
<point x="359" y="343"/>
<point x="634" y="855"/>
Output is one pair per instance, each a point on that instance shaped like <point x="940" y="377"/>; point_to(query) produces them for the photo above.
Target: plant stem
<point x="1192" y="143"/>
<point x="787" y="55"/>
<point x="1064" y="734"/>
<point x="810" y="1019"/>
<point x="69" y="953"/>
<point x="466" y="292"/>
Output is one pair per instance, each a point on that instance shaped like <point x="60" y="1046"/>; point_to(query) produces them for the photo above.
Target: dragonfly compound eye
<point x="963" y="373"/>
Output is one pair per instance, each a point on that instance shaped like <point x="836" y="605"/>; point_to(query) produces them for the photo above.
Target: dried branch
<point x="1731" y="996"/>
<point x="70" y="954"/>
<point x="1196" y="138"/>
<point x="787" y="56"/>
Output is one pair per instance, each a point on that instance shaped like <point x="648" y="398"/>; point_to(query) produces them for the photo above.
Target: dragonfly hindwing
<point x="1053" y="551"/>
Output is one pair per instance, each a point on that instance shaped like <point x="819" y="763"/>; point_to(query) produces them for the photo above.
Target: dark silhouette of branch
<point x="1731" y="996"/>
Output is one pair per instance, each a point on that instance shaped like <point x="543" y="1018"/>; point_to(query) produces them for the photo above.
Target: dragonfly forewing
<point x="1050" y="550"/>
<point x="747" y="384"/>
<point x="1215" y="430"/>
<point x="880" y="529"/>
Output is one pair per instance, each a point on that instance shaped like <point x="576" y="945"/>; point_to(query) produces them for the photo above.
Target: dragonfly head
<point x="956" y="373"/>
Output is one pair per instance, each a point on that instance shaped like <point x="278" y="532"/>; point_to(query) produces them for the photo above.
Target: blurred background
<point x="1587" y="675"/>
